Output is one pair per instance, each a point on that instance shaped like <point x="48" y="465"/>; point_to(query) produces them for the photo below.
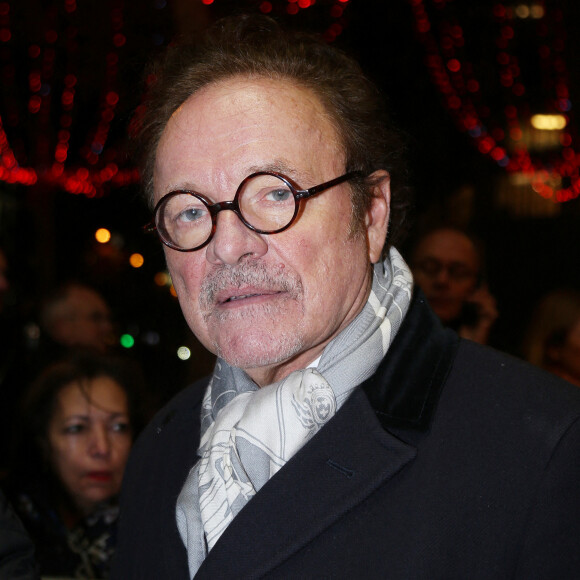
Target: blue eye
<point x="190" y="215"/>
<point x="74" y="429"/>
<point x="282" y="194"/>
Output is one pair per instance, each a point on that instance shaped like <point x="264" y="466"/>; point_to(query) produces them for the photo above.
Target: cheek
<point x="574" y="339"/>
<point x="65" y="459"/>
<point x="186" y="269"/>
<point x="423" y="281"/>
<point x="463" y="289"/>
<point x="571" y="351"/>
<point x="122" y="447"/>
<point x="332" y="271"/>
<point x="186" y="276"/>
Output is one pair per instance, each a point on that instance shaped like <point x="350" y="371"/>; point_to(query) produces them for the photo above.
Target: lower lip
<point x="100" y="477"/>
<point x="254" y="299"/>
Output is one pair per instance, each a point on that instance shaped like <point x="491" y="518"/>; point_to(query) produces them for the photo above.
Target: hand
<point x="486" y="315"/>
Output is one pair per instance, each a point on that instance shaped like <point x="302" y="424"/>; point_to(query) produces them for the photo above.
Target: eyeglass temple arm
<point x="306" y="193"/>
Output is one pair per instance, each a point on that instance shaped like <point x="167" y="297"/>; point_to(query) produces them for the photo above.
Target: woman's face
<point x="90" y="437"/>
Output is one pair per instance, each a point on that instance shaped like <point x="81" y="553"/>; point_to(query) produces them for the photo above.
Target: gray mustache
<point x="247" y="274"/>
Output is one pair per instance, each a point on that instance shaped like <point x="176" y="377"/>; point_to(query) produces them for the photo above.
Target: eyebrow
<point x="87" y="417"/>
<point x="281" y="166"/>
<point x="276" y="166"/>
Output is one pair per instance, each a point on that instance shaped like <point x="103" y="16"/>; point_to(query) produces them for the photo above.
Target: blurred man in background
<point x="448" y="266"/>
<point x="76" y="315"/>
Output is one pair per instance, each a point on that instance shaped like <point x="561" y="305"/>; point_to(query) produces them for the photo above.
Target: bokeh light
<point x="103" y="235"/>
<point x="136" y="260"/>
<point x="127" y="341"/>
<point x="183" y="353"/>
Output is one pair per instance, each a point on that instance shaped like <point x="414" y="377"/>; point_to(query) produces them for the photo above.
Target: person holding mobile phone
<point x="447" y="265"/>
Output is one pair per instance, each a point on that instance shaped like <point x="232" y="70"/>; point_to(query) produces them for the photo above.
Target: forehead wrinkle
<point x="277" y="166"/>
<point x="284" y="167"/>
<point x="307" y="116"/>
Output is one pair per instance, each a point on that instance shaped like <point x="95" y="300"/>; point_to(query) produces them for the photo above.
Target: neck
<point x="267" y="375"/>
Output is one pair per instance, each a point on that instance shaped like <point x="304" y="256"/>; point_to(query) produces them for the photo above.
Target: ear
<point x="377" y="216"/>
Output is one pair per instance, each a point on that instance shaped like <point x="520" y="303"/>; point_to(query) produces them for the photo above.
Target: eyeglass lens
<point x="266" y="203"/>
<point x="456" y="271"/>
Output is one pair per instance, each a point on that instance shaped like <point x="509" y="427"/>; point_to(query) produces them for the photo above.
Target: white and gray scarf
<point x="249" y="433"/>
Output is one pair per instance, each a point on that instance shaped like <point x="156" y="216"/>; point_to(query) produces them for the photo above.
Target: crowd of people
<point x="72" y="405"/>
<point x="354" y="402"/>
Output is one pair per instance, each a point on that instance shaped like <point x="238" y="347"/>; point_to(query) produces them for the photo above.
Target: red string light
<point x="46" y="141"/>
<point x="499" y="133"/>
<point x="39" y="162"/>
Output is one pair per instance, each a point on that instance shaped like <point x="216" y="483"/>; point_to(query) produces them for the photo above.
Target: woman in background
<point x="77" y="426"/>
<point x="553" y="338"/>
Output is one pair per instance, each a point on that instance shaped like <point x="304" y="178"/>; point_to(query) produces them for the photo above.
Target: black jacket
<point x="16" y="548"/>
<point x="452" y="461"/>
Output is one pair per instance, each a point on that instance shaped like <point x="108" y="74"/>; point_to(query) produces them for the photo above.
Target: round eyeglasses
<point x="266" y="202"/>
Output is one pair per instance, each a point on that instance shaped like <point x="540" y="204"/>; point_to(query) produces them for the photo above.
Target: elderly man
<point x="447" y="266"/>
<point x="344" y="433"/>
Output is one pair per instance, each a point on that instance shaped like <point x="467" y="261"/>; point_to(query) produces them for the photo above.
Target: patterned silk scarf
<point x="248" y="433"/>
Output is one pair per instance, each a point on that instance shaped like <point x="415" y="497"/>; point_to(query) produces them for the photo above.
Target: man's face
<point x="267" y="304"/>
<point x="84" y="320"/>
<point x="445" y="266"/>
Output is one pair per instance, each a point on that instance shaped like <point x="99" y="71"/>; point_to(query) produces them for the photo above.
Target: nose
<point x="100" y="443"/>
<point x="442" y="277"/>
<point x="233" y="240"/>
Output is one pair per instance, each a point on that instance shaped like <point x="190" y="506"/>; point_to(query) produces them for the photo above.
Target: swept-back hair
<point x="255" y="46"/>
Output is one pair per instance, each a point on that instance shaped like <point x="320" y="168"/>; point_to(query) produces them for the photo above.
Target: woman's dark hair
<point x="255" y="46"/>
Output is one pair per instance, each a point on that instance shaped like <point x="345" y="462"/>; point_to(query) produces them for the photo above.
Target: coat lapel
<point x="344" y="463"/>
<point x="354" y="454"/>
<point x="174" y="460"/>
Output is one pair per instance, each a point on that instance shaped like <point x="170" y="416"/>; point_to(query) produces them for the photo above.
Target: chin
<point x="258" y="349"/>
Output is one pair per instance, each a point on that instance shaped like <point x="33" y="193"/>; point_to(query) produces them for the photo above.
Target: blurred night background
<point x="465" y="80"/>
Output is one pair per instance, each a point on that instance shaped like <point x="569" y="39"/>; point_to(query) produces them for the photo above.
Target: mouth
<point x="246" y="297"/>
<point x="100" y="476"/>
<point x="246" y="286"/>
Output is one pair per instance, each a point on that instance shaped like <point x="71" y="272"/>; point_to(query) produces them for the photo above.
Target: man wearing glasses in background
<point x="447" y="265"/>
<point x="344" y="432"/>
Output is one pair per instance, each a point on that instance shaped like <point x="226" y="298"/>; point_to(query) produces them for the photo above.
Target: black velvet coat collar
<point x="404" y="390"/>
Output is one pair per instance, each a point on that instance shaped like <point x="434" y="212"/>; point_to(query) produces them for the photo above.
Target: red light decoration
<point x="58" y="127"/>
<point x="54" y="59"/>
<point x="498" y="121"/>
